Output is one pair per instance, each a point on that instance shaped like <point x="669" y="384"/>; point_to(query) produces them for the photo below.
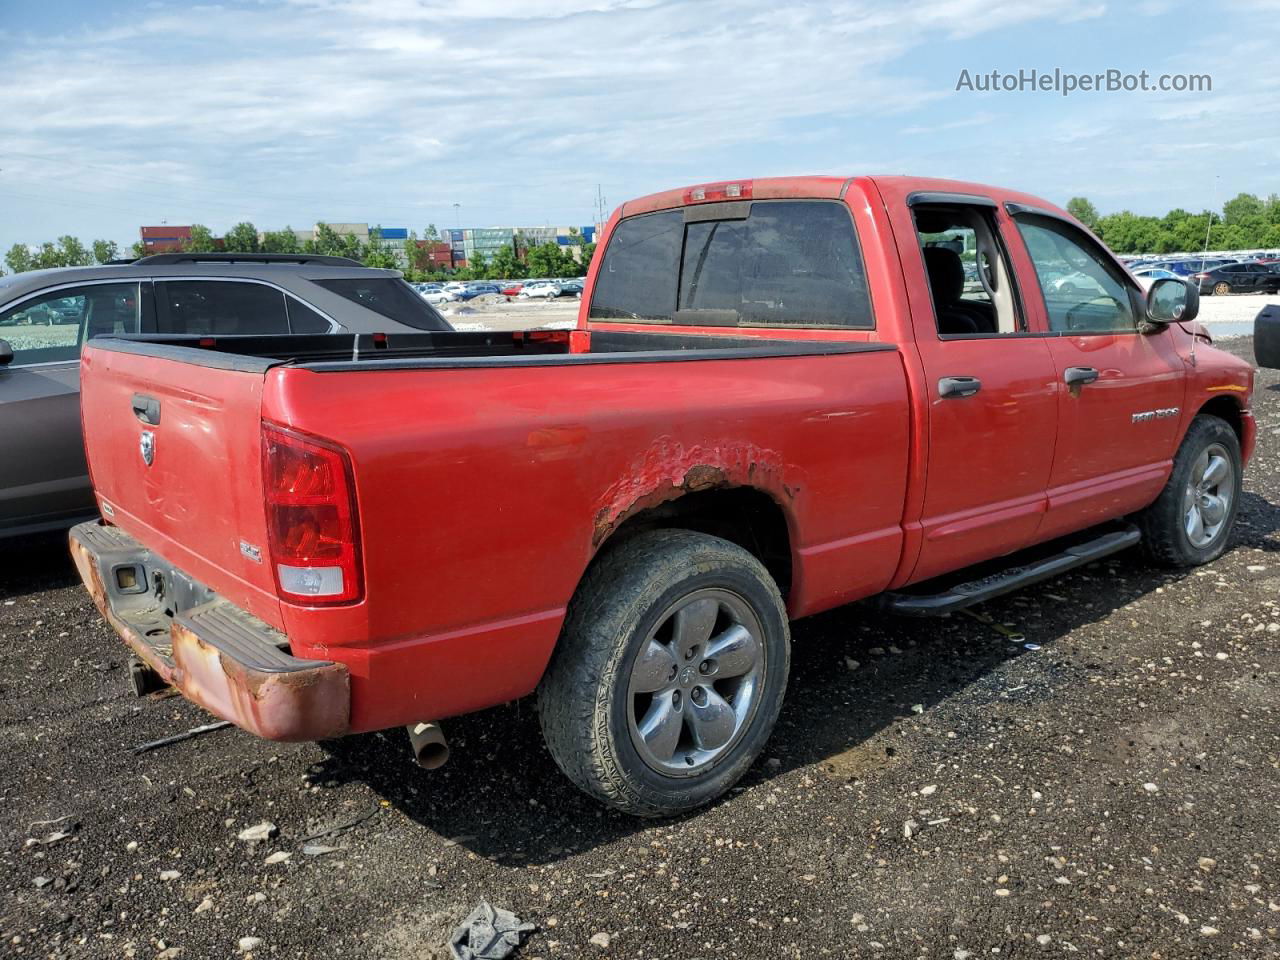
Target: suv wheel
<point x="669" y="674"/>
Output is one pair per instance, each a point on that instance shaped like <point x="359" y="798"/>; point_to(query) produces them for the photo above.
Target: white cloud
<point x="394" y="109"/>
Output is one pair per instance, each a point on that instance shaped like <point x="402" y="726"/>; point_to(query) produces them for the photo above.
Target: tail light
<point x="312" y="525"/>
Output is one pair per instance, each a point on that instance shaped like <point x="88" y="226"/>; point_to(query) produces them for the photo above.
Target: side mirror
<point x="6" y="353"/>
<point x="1172" y="301"/>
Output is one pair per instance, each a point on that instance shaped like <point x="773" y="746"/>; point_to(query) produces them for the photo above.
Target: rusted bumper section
<point x="217" y="655"/>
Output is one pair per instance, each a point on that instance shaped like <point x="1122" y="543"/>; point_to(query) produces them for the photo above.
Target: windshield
<point x="390" y="297"/>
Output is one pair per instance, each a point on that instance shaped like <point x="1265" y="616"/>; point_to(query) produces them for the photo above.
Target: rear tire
<point x="669" y="673"/>
<point x="1221" y="288"/>
<point x="1190" y="522"/>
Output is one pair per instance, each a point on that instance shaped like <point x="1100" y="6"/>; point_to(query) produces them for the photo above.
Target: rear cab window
<point x="390" y="297"/>
<point x="762" y="263"/>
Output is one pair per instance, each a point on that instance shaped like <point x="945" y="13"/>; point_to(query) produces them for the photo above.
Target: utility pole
<point x="600" y="208"/>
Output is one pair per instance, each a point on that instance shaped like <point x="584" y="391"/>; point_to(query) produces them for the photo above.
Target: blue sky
<point x="117" y="114"/>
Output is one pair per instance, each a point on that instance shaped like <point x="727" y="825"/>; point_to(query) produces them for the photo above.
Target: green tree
<point x="200" y="241"/>
<point x="47" y="257"/>
<point x="72" y="253"/>
<point x="326" y="241"/>
<point x="431" y="234"/>
<point x="477" y="267"/>
<point x="104" y="251"/>
<point x="242" y="238"/>
<point x="19" y="258"/>
<point x="505" y="264"/>
<point x="588" y="254"/>
<point x="1241" y="208"/>
<point x="1084" y="211"/>
<point x="349" y="245"/>
<point x="139" y="249"/>
<point x="280" y="241"/>
<point x="548" y="260"/>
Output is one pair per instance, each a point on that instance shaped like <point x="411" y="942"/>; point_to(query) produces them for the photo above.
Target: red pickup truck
<point x="782" y="396"/>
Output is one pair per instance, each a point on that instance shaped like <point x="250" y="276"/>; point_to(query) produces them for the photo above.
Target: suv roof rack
<point x="161" y="259"/>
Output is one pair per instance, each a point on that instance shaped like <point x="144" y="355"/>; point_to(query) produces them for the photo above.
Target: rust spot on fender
<point x="670" y="469"/>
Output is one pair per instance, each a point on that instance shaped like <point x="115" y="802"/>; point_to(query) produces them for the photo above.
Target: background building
<point x="164" y="239"/>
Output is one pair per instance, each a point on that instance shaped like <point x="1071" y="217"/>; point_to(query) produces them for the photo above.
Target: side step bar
<point x="975" y="591"/>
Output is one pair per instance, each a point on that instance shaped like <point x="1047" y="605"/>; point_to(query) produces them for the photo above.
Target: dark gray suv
<point x="47" y="315"/>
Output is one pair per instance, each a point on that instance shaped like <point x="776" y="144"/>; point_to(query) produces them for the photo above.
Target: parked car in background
<point x="512" y="288"/>
<point x="625" y="516"/>
<point x="540" y="289"/>
<point x="1238" y="278"/>
<point x="46" y="317"/>
<point x="1149" y="275"/>
<point x="571" y="287"/>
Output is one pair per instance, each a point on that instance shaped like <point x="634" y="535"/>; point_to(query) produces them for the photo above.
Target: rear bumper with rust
<point x="217" y="655"/>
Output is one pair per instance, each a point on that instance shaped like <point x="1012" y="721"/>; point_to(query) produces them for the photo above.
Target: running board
<point x="975" y="591"/>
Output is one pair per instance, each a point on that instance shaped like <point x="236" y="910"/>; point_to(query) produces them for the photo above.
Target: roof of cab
<point x="891" y="187"/>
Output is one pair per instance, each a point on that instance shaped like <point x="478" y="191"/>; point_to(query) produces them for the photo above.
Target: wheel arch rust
<point x="739" y="491"/>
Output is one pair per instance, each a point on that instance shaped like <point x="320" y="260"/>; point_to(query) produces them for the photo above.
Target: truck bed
<point x="453" y="349"/>
<point x="488" y="469"/>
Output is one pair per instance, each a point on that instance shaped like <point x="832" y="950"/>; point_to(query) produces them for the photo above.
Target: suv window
<point x="302" y="319"/>
<point x="390" y="297"/>
<point x="1081" y="292"/>
<point x="786" y="263"/>
<point x="219" y="307"/>
<point x="52" y="327"/>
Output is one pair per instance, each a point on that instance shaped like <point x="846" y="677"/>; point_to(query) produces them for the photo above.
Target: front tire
<point x="669" y="673"/>
<point x="1190" y="522"/>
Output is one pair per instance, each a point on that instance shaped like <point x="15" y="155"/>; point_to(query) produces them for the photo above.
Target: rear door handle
<point x="1074" y="375"/>
<point x="146" y="409"/>
<point x="958" y="386"/>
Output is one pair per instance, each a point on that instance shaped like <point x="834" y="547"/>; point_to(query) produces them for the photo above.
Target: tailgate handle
<point x="146" y="409"/>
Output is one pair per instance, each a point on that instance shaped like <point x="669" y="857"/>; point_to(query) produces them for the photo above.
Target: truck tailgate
<point x="195" y="496"/>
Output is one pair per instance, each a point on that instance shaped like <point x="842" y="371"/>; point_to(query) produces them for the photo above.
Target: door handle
<point x="1074" y="375"/>
<point x="958" y="386"/>
<point x="146" y="409"/>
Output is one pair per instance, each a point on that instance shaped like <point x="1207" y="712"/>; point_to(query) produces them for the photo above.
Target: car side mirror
<point x="6" y="353"/>
<point x="1171" y="301"/>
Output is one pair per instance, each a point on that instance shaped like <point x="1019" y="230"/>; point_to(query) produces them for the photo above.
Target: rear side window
<point x="786" y="263"/>
<point x="52" y="327"/>
<point x="390" y="297"/>
<point x="302" y="319"/>
<point x="219" y="308"/>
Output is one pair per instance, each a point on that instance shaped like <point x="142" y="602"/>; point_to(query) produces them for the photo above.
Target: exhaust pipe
<point x="430" y="748"/>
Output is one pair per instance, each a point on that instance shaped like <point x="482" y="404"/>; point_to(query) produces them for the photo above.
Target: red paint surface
<point x="484" y="493"/>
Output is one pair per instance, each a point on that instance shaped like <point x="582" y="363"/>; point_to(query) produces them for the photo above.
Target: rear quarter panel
<point x="484" y="493"/>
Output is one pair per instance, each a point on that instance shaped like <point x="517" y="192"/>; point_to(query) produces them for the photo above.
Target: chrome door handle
<point x="1074" y="375"/>
<point x="958" y="386"/>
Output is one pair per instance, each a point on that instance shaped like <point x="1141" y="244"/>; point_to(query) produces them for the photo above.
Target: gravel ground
<point x="934" y="789"/>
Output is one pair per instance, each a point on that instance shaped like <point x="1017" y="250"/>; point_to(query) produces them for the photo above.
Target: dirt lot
<point x="935" y="789"/>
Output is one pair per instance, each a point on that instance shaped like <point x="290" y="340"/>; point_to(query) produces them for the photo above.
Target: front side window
<point x="1082" y="294"/>
<point x="785" y="263"/>
<point x="219" y="308"/>
<point x="53" y="327"/>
